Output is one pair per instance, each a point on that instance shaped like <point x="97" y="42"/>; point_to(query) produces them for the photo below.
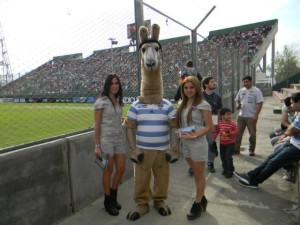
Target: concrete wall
<point x="45" y="183"/>
<point x="85" y="174"/>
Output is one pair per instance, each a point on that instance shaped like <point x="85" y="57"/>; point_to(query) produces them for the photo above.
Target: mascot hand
<point x="136" y="155"/>
<point x="172" y="155"/>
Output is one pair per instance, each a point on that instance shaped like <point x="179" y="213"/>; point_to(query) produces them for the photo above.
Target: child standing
<point x="227" y="130"/>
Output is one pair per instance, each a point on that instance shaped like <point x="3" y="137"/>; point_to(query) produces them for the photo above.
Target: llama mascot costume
<point x="150" y="129"/>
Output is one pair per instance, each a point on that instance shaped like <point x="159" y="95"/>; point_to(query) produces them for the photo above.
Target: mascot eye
<point x="156" y="49"/>
<point x="143" y="50"/>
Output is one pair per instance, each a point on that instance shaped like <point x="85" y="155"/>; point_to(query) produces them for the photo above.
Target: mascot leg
<point x="161" y="184"/>
<point x="142" y="192"/>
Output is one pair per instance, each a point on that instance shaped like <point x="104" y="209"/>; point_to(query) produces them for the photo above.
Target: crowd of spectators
<point x="77" y="75"/>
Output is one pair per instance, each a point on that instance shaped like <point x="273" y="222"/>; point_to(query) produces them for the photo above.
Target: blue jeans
<point x="211" y="156"/>
<point x="284" y="156"/>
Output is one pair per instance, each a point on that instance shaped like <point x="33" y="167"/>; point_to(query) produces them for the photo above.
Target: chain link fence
<point x="54" y="98"/>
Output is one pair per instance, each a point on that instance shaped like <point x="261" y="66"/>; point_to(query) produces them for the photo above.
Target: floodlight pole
<point x="111" y="54"/>
<point x="139" y="19"/>
<point x="194" y="38"/>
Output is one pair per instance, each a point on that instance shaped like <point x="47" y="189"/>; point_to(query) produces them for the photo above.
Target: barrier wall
<point x="45" y="183"/>
<point x="34" y="184"/>
<point x="85" y="174"/>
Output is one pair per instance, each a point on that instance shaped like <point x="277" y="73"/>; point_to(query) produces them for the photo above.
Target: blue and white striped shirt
<point x="152" y="123"/>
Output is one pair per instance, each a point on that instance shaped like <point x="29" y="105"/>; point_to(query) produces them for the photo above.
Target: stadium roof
<point x="242" y="27"/>
<point x="68" y="57"/>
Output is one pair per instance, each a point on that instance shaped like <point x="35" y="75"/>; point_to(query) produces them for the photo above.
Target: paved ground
<point x="229" y="203"/>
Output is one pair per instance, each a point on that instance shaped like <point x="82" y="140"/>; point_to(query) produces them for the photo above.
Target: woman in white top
<point x="194" y="111"/>
<point x="109" y="144"/>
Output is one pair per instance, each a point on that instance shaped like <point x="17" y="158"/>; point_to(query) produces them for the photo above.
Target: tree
<point x="286" y="64"/>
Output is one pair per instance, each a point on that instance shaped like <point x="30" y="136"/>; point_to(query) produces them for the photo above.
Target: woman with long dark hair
<point x="109" y="144"/>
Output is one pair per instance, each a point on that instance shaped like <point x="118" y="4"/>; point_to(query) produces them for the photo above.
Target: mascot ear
<point x="155" y="32"/>
<point x="143" y="33"/>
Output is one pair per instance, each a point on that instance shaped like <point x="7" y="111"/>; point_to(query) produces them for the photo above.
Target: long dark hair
<point x="107" y="85"/>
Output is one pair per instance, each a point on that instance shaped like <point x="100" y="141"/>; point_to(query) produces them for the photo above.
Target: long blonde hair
<point x="197" y="99"/>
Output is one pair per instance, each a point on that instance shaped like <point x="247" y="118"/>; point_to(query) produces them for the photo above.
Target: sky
<point x="35" y="31"/>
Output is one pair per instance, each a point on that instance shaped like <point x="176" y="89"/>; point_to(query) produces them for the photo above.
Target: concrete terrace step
<point x="296" y="87"/>
<point x="278" y="96"/>
<point x="288" y="91"/>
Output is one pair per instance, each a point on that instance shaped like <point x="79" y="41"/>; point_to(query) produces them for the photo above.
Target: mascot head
<point x="151" y="78"/>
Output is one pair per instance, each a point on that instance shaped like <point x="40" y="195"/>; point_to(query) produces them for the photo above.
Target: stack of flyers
<point x="187" y="129"/>
<point x="183" y="130"/>
<point x="103" y="161"/>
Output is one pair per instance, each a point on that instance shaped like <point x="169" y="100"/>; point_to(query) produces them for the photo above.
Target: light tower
<point x="6" y="75"/>
<point x="113" y="42"/>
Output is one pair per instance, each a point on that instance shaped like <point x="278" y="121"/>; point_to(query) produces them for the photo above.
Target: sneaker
<point x="285" y="174"/>
<point x="191" y="173"/>
<point x="242" y="176"/>
<point x="291" y="179"/>
<point x="251" y="154"/>
<point x="289" y="175"/>
<point x="228" y="174"/>
<point x="236" y="152"/>
<point x="211" y="168"/>
<point x="250" y="185"/>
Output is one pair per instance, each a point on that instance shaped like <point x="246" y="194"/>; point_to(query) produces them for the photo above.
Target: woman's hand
<point x="190" y="135"/>
<point x="98" y="152"/>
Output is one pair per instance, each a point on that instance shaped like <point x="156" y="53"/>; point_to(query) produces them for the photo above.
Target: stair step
<point x="278" y="96"/>
<point x="296" y="87"/>
<point x="288" y="91"/>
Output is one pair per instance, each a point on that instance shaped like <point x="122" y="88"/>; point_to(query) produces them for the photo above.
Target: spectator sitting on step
<point x="287" y="117"/>
<point x="289" y="171"/>
<point x="288" y="153"/>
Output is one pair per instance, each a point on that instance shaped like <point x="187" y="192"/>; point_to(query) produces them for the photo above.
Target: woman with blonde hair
<point x="194" y="118"/>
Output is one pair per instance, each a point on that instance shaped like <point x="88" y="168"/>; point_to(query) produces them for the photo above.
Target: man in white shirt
<point x="249" y="101"/>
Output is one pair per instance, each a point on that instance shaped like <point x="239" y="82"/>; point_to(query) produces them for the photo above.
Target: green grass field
<point x="23" y="123"/>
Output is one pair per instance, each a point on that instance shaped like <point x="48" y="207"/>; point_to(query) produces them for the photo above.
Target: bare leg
<point x="198" y="169"/>
<point x="120" y="160"/>
<point x="106" y="176"/>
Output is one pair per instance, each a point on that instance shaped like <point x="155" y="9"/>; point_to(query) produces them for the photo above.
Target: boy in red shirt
<point x="227" y="130"/>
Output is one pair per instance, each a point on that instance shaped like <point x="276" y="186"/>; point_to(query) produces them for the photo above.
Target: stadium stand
<point x="72" y="75"/>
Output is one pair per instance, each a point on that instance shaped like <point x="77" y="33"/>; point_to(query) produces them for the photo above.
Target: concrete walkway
<point x="275" y="202"/>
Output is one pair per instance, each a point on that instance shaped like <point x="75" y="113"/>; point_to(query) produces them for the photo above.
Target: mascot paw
<point x="137" y="156"/>
<point x="133" y="216"/>
<point x="172" y="155"/>
<point x="138" y="212"/>
<point x="162" y="208"/>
